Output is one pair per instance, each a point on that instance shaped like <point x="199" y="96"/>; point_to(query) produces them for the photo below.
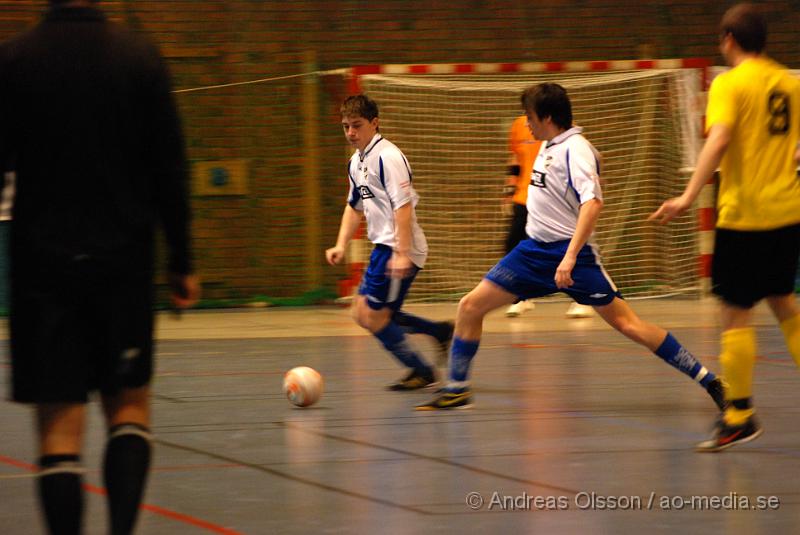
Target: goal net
<point x="454" y="131"/>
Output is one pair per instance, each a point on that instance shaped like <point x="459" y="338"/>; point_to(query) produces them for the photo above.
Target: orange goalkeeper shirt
<point x="522" y="144"/>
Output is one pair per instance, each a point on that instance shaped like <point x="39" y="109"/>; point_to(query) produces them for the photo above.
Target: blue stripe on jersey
<point x="383" y="181"/>
<point x="355" y="197"/>
<point x="569" y="179"/>
<point x="383" y="175"/>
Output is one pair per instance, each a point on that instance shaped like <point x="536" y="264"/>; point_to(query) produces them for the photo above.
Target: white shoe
<point x="518" y="308"/>
<point x="576" y="310"/>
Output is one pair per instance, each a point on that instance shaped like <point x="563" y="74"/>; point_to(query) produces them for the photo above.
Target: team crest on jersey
<point x="365" y="193"/>
<point x="537" y="179"/>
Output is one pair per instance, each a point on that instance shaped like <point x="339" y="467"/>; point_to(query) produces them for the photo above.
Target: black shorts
<point x="69" y="338"/>
<point x="751" y="265"/>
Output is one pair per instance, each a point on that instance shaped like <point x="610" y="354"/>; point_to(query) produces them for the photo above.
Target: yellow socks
<point x="738" y="359"/>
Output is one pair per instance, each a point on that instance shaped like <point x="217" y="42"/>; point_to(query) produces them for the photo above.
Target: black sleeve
<point x="167" y="153"/>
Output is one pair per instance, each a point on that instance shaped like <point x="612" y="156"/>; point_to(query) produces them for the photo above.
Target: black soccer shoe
<point x="726" y="435"/>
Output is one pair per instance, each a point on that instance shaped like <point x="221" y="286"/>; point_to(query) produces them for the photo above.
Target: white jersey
<point x="565" y="175"/>
<point x="380" y="183"/>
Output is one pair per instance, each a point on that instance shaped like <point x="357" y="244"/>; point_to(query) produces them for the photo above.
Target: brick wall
<point x="251" y="244"/>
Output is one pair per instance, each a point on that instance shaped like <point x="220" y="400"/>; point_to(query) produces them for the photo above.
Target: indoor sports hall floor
<point x="565" y="410"/>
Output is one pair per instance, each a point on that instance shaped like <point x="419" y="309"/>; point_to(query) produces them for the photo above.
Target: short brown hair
<point x="549" y="100"/>
<point x="359" y="106"/>
<point x="747" y="27"/>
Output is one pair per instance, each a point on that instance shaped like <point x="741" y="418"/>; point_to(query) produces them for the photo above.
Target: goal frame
<point x="705" y="213"/>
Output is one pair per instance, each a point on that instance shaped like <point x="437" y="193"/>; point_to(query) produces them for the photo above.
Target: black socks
<point x="125" y="468"/>
<point x="61" y="493"/>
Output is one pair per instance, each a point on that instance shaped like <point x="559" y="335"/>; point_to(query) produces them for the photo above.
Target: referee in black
<point x="88" y="123"/>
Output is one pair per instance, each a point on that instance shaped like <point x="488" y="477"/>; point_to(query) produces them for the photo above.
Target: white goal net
<point x="454" y="131"/>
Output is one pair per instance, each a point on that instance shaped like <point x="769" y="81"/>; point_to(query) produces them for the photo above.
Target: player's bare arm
<point x="399" y="266"/>
<point x="714" y="148"/>
<point x="587" y="219"/>
<point x="351" y="219"/>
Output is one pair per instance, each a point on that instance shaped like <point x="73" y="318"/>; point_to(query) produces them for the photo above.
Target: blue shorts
<point x="381" y="290"/>
<point x="529" y="271"/>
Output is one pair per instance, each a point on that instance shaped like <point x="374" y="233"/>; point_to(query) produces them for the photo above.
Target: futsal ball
<point x="303" y="386"/>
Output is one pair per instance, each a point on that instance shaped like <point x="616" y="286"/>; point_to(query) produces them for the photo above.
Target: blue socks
<point x="677" y="356"/>
<point x="394" y="340"/>
<point x="670" y="350"/>
<point x="461" y="354"/>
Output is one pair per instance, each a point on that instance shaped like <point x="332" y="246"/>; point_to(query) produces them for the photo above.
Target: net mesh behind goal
<point x="454" y="131"/>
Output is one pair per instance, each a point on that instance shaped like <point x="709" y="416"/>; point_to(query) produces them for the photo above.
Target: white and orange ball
<point x="303" y="386"/>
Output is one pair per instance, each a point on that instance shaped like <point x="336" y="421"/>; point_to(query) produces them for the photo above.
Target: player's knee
<point x="468" y="307"/>
<point x="362" y="319"/>
<point x="360" y="312"/>
<point x="629" y="327"/>
<point x="355" y="313"/>
<point x="371" y="320"/>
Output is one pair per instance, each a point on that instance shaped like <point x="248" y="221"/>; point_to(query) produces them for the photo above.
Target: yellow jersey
<point x="759" y="101"/>
<point x="525" y="148"/>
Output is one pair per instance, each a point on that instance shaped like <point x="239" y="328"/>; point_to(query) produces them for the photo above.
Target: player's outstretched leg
<point x="621" y="316"/>
<point x="420" y="374"/>
<point x="441" y="331"/>
<point x="472" y="308"/>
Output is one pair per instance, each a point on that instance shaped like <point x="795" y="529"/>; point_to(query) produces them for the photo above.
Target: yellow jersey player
<point x="753" y="124"/>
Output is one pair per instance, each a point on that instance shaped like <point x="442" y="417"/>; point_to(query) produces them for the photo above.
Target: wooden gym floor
<point x="575" y="430"/>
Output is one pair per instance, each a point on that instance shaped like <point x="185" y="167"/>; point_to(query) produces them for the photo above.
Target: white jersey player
<point x="381" y="190"/>
<point x="380" y="183"/>
<point x="564" y="202"/>
<point x="553" y="204"/>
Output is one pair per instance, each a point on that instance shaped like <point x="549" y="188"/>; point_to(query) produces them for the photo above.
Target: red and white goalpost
<point x="452" y="121"/>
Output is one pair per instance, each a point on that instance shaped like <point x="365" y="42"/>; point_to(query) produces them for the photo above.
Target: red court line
<point x="186" y="519"/>
<point x="17" y="464"/>
<point x="174" y="515"/>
